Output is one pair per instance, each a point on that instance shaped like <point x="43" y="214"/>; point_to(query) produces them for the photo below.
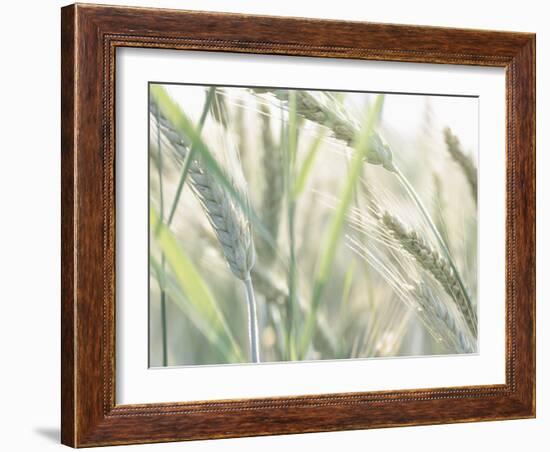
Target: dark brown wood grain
<point x="68" y="312"/>
<point x="90" y="35"/>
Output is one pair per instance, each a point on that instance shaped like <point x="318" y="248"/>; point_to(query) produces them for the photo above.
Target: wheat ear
<point x="433" y="263"/>
<point x="313" y="109"/>
<point x="228" y="222"/>
<point x="439" y="312"/>
<point x="463" y="160"/>
<point x="441" y="322"/>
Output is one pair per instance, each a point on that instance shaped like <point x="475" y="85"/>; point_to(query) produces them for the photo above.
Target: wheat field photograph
<point x="301" y="225"/>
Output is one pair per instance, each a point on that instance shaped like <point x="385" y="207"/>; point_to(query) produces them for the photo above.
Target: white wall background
<point x="29" y="250"/>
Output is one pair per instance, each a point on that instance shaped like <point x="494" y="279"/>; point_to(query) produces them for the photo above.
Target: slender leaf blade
<point x="189" y="278"/>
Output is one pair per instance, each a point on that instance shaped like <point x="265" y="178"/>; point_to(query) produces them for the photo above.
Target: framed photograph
<point x="281" y="225"/>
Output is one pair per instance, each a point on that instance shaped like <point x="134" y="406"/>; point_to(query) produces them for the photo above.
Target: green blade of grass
<point x="292" y="130"/>
<point x="290" y="168"/>
<point x="164" y="324"/>
<point x="192" y="284"/>
<point x="307" y="165"/>
<point x="174" y="292"/>
<point x="333" y="233"/>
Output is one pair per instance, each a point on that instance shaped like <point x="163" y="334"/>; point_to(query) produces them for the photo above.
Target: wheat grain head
<point x="433" y="263"/>
<point x="227" y="219"/>
<point x="322" y="111"/>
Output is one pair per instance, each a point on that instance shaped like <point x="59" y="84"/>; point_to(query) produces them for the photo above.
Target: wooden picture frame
<point x="90" y="35"/>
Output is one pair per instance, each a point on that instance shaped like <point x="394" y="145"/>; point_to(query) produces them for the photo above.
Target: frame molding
<point x="90" y="35"/>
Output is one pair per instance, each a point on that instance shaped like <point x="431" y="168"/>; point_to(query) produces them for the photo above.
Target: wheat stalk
<point x="463" y="160"/>
<point x="439" y="207"/>
<point x="163" y="259"/>
<point x="218" y="108"/>
<point x="433" y="263"/>
<point x="228" y="221"/>
<point x="273" y="189"/>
